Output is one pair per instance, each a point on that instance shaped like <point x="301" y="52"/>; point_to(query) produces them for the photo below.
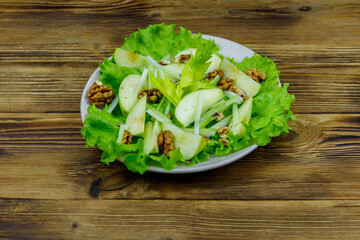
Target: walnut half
<point x="100" y="94"/>
<point x="152" y="95"/>
<point x="165" y="142"/>
<point x="223" y="131"/>
<point x="256" y="74"/>
<point x="127" y="138"/>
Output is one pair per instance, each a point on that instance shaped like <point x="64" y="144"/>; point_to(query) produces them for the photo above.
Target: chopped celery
<point x="122" y="129"/>
<point x="206" y="132"/>
<point x="235" y="113"/>
<point x="157" y="114"/>
<point x="160" y="104"/>
<point x="230" y="94"/>
<point x="113" y="104"/>
<point x="168" y="105"/>
<point x="215" y="80"/>
<point x="222" y="123"/>
<point x="158" y="66"/>
<point x="142" y="81"/>
<point x="198" y="114"/>
<point x="207" y="116"/>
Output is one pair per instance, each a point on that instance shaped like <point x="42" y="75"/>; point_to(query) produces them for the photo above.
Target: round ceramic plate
<point x="228" y="49"/>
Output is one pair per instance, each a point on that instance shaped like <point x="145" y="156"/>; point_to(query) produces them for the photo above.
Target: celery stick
<point x="168" y="105"/>
<point x="167" y="57"/>
<point x="235" y="113"/>
<point x="206" y="132"/>
<point x="198" y="114"/>
<point x="207" y="116"/>
<point x="121" y="133"/>
<point x="230" y="94"/>
<point x="113" y="104"/>
<point x="222" y="123"/>
<point x="142" y="81"/>
<point x="215" y="80"/>
<point x="157" y="114"/>
<point x="158" y="66"/>
<point x="160" y="103"/>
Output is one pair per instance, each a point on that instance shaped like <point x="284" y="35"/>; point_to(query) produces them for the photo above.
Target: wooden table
<point x="303" y="185"/>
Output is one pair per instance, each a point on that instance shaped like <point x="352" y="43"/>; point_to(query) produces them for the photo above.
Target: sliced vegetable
<point x="243" y="115"/>
<point x="122" y="129"/>
<point x="222" y="123"/>
<point x="113" y="104"/>
<point x="157" y="114"/>
<point x="207" y="116"/>
<point x="206" y="132"/>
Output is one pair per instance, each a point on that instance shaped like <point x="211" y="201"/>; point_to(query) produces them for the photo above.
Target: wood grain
<point x="318" y="159"/>
<point x="158" y="219"/>
<point x="304" y="185"/>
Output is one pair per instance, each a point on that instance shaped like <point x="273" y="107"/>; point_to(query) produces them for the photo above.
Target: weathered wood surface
<point x="303" y="185"/>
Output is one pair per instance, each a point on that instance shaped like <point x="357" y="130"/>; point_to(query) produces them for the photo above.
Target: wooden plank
<point x="44" y="156"/>
<point x="254" y="21"/>
<point x="158" y="219"/>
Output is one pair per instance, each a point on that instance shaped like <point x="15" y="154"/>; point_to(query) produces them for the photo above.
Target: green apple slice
<point x="186" y="109"/>
<point x="189" y="144"/>
<point x="136" y="118"/>
<point x="127" y="91"/>
<point x="243" y="81"/>
<point x="244" y="115"/>
<point x="215" y="63"/>
<point x="175" y="68"/>
<point x="129" y="59"/>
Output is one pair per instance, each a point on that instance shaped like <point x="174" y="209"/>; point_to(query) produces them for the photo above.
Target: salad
<point x="168" y="99"/>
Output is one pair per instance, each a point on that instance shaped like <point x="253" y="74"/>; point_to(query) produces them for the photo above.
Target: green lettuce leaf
<point x="160" y="40"/>
<point x="101" y="129"/>
<point x="264" y="64"/>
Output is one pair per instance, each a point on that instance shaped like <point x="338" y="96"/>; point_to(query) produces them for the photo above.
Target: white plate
<point x="228" y="49"/>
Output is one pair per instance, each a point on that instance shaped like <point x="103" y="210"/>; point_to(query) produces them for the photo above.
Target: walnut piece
<point x="100" y="94"/>
<point x="164" y="62"/>
<point x="165" y="142"/>
<point x="223" y="131"/>
<point x="152" y="95"/>
<point x="182" y="58"/>
<point x="207" y="139"/>
<point x="218" y="116"/>
<point x="211" y="75"/>
<point x="256" y="74"/>
<point x="127" y="138"/>
<point x="226" y="84"/>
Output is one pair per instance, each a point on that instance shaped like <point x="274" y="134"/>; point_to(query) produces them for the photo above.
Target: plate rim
<point x="200" y="167"/>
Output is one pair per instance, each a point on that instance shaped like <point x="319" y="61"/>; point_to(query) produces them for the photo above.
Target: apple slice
<point x="189" y="144"/>
<point x="186" y="109"/>
<point x="127" y="91"/>
<point x="136" y="118"/>
<point x="243" y="81"/>
<point x="244" y="115"/>
<point x="215" y="63"/>
<point x="128" y="59"/>
<point x="175" y="68"/>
